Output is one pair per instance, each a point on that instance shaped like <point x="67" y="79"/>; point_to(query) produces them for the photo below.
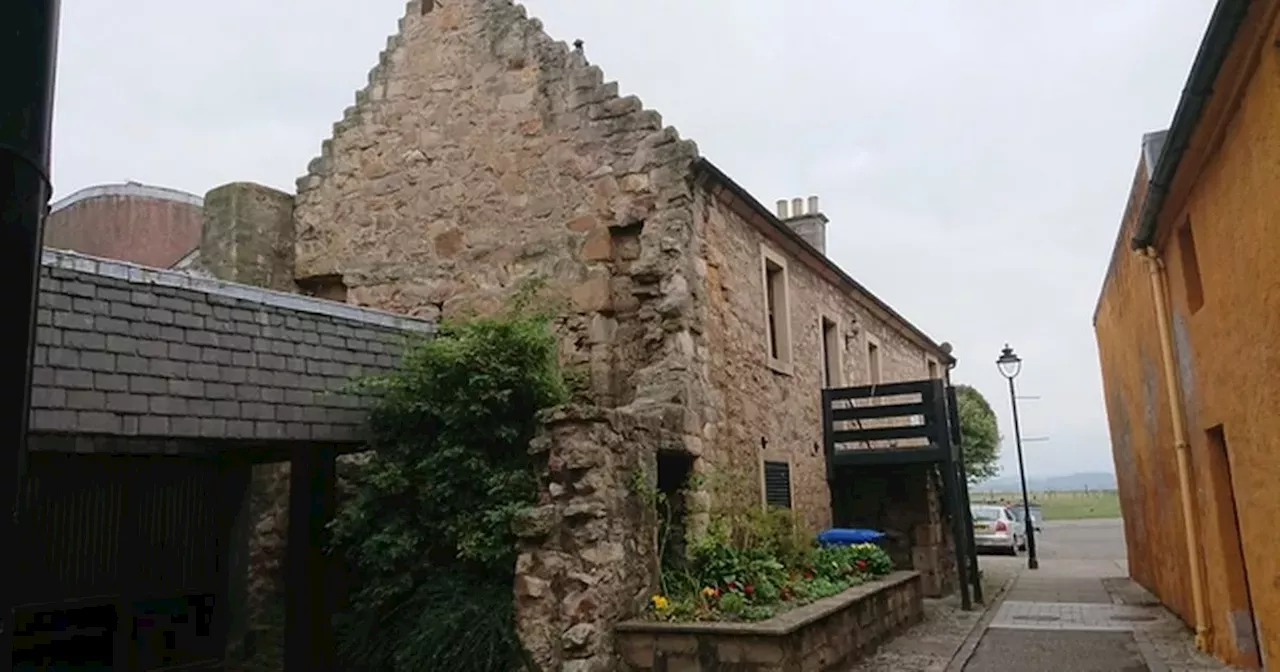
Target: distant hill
<point x="1091" y="480"/>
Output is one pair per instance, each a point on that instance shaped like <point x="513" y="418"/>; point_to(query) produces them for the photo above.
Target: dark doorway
<point x="1239" y="607"/>
<point x="674" y="470"/>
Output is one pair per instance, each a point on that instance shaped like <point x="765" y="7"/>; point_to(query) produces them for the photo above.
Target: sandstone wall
<point x="483" y="154"/>
<point x="588" y="551"/>
<point x="758" y="411"/>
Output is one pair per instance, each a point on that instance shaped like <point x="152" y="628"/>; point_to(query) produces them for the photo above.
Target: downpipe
<point x="1182" y="449"/>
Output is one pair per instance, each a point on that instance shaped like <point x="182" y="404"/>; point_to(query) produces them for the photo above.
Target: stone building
<point x="481" y="154"/>
<point x="1186" y="326"/>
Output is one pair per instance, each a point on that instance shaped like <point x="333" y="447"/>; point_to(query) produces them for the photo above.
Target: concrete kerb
<point x="970" y="644"/>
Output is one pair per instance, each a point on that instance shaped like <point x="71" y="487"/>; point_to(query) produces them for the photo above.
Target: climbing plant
<point x="426" y="532"/>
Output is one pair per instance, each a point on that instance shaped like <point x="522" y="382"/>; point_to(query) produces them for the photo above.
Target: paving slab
<point x="1006" y="650"/>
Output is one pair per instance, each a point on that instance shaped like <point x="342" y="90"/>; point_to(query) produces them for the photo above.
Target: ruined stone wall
<point x="588" y="554"/>
<point x="766" y="412"/>
<point x="483" y="154"/>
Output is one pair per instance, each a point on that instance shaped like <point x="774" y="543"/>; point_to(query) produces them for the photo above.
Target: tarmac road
<point x="1101" y="539"/>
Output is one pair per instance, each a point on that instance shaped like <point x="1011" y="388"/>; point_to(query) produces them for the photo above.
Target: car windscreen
<point x="986" y="513"/>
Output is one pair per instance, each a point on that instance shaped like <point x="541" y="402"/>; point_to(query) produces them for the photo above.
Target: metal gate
<point x="122" y="562"/>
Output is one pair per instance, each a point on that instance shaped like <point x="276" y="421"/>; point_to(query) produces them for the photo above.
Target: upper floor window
<point x="873" y="361"/>
<point x="831" y="369"/>
<point x="777" y="310"/>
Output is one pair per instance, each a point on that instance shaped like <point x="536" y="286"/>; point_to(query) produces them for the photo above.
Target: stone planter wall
<point x="825" y="635"/>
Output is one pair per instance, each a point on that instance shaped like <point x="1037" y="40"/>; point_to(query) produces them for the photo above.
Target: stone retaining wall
<point x="825" y="635"/>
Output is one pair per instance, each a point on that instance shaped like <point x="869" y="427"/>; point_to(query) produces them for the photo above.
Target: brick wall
<point x="130" y="351"/>
<point x="131" y="222"/>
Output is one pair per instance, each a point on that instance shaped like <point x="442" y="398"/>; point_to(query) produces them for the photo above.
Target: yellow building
<point x="1188" y="331"/>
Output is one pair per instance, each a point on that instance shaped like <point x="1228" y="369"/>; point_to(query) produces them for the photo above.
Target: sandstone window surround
<point x="777" y="310"/>
<point x="832" y="354"/>
<point x="931" y="366"/>
<point x="874" y="366"/>
<point x="776" y="486"/>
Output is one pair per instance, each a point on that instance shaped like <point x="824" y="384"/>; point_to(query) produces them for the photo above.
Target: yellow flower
<point x="660" y="603"/>
<point x="708" y="592"/>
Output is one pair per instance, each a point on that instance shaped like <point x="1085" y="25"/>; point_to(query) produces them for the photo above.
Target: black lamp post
<point x="28" y="46"/>
<point x="1010" y="366"/>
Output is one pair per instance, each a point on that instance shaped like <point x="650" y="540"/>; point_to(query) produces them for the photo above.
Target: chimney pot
<point x="797" y="207"/>
<point x="813" y="205"/>
<point x="782" y="208"/>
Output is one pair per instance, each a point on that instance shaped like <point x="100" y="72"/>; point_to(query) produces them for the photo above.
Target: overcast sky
<point x="974" y="157"/>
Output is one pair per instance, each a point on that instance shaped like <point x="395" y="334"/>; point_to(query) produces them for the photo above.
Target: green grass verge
<point x="1063" y="505"/>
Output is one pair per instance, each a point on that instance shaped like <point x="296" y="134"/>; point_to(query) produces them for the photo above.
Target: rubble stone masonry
<point x="482" y="155"/>
<point x="773" y="412"/>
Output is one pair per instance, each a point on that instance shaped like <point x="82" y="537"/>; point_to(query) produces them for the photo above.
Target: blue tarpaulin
<point x="847" y="537"/>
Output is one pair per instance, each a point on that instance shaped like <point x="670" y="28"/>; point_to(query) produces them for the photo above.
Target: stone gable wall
<point x="753" y="402"/>
<point x="483" y="154"/>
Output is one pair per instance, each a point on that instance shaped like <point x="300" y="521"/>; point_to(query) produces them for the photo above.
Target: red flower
<point x="862" y="564"/>
<point x="749" y="589"/>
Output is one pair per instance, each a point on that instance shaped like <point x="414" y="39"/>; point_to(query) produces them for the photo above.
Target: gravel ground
<point x="929" y="646"/>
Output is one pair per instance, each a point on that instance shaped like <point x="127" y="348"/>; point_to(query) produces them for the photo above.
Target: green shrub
<point x="426" y="534"/>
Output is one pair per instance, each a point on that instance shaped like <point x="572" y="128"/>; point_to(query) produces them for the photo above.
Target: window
<point x="933" y="368"/>
<point x="1190" y="268"/>
<point x="777" y="312"/>
<point x="873" y="361"/>
<point x="777" y="484"/>
<point x="831" y="369"/>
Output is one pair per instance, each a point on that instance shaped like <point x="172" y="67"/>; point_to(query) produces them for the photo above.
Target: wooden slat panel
<point x="921" y="387"/>
<point x="882" y="434"/>
<point x="873" y="412"/>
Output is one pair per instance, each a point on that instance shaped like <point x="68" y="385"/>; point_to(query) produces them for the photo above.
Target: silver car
<point x="996" y="529"/>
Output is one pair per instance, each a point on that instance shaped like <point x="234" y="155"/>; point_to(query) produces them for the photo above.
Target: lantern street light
<point x="1010" y="366"/>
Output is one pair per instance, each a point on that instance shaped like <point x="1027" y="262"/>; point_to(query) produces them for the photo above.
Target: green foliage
<point x="427" y="533"/>
<point x="980" y="435"/>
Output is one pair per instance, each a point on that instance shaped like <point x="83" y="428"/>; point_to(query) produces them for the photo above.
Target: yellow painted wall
<point x="1140" y="425"/>
<point x="1228" y="355"/>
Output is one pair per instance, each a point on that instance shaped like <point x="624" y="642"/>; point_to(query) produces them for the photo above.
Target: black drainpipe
<point x="28" y="50"/>
<point x="1227" y="17"/>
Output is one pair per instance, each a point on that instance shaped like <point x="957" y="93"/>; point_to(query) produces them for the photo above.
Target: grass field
<point x="1062" y="504"/>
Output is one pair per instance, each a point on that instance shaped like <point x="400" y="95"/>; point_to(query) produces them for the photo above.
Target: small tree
<point x="426" y="536"/>
<point x="980" y="435"/>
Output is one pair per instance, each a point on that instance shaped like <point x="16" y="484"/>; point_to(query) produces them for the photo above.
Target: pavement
<point x="1078" y="612"/>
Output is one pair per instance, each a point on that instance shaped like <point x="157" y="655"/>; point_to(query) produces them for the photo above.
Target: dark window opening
<point x="674" y="470"/>
<point x="329" y="287"/>
<point x="773" y="291"/>
<point x="830" y="354"/>
<point x="873" y="363"/>
<point x="1190" y="268"/>
<point x="777" y="484"/>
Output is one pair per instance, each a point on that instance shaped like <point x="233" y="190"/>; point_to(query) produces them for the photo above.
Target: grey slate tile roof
<point x="125" y="350"/>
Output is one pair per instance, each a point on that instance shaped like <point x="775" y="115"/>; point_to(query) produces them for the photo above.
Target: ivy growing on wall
<point x="425" y="535"/>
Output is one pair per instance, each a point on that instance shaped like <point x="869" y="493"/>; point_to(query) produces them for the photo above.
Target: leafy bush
<point x="426" y="534"/>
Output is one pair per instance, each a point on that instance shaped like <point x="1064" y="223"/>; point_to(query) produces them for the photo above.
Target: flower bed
<point x="728" y="582"/>
<point x="825" y="635"/>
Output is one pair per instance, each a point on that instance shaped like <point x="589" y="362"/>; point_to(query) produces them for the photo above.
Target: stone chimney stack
<point x="806" y="220"/>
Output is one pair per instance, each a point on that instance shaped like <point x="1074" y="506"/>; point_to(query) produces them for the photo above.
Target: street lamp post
<point x="1010" y="365"/>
